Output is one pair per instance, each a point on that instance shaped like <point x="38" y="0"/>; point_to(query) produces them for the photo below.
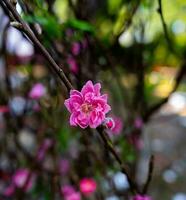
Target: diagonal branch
<point x="167" y="37"/>
<point x="150" y="172"/>
<point x="178" y="80"/>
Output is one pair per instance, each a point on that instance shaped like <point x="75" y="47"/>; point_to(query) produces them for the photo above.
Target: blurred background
<point x="137" y="51"/>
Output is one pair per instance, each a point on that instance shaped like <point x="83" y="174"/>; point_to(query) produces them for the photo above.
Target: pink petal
<point x="73" y="119"/>
<point x="67" y="104"/>
<point x="104" y="97"/>
<point x="75" y="92"/>
<point x="75" y="103"/>
<point x="107" y="108"/>
<point x="88" y="87"/>
<point x="96" y="119"/>
<point x="82" y="120"/>
<point x="97" y="88"/>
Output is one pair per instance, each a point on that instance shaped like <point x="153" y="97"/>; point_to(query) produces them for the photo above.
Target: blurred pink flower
<point x="87" y="186"/>
<point x="21" y="177"/>
<point x="109" y="123"/>
<point x="138" y="123"/>
<point x="73" y="196"/>
<point x="37" y="91"/>
<point x="9" y="191"/>
<point x="67" y="190"/>
<point x="88" y="107"/>
<point x="142" y="197"/>
<point x="118" y="125"/>
<point x="4" y="109"/>
<point x="69" y="193"/>
<point x="73" y="65"/>
<point x="75" y="49"/>
<point x="64" y="166"/>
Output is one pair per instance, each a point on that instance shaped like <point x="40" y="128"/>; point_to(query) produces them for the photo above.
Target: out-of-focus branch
<point x="178" y="80"/>
<point x="128" y="22"/>
<point x="149" y="177"/>
<point x="123" y="167"/>
<point x="167" y="37"/>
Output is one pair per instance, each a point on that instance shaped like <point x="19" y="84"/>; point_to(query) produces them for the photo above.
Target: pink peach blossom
<point x="37" y="91"/>
<point x="87" y="186"/>
<point x="142" y="197"/>
<point x="20" y="179"/>
<point x="88" y="107"/>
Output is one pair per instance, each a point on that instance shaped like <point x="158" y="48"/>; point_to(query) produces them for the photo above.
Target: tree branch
<point x="149" y="177"/>
<point x="169" y="42"/>
<point x="178" y="80"/>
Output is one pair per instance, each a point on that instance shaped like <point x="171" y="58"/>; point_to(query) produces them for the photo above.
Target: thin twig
<point x="178" y="80"/>
<point x="149" y="177"/>
<point x="123" y="167"/>
<point x="128" y="22"/>
<point x="160" y="11"/>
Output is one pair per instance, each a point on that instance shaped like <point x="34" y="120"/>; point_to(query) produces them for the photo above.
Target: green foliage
<point x="80" y="25"/>
<point x="63" y="137"/>
<point x="49" y="24"/>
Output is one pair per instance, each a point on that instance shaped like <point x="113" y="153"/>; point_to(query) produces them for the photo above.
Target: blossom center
<point x="86" y="108"/>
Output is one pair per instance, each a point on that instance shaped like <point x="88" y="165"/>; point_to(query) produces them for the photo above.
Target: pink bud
<point x="37" y="91"/>
<point x="87" y="186"/>
<point x="109" y="123"/>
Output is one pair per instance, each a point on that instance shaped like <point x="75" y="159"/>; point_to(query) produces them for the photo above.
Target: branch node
<point x="16" y="24"/>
